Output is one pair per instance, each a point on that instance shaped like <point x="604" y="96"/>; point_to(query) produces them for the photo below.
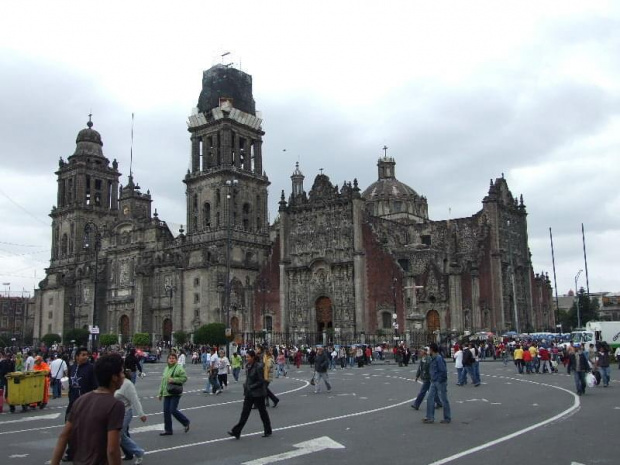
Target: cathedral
<point x="344" y="262"/>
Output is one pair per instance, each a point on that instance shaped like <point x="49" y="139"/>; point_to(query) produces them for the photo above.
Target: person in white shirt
<point x="223" y="369"/>
<point x="29" y="363"/>
<point x="129" y="396"/>
<point x="181" y="360"/>
<point x="458" y="364"/>
<point x="58" y="369"/>
<point x="214" y="362"/>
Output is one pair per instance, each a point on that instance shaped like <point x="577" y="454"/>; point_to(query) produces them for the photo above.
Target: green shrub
<point x="51" y="339"/>
<point x="141" y="340"/>
<point x="79" y="335"/>
<point x="212" y="334"/>
<point x="108" y="339"/>
<point x="180" y="337"/>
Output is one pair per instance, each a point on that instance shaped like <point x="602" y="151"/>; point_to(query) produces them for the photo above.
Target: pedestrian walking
<point x="174" y="374"/>
<point x="268" y="368"/>
<point x="321" y="365"/>
<point x="58" y="369"/>
<point x="424" y="374"/>
<point x="439" y="385"/>
<point x="236" y="362"/>
<point x="254" y="395"/>
<point x="602" y="363"/>
<point x="81" y="381"/>
<point x="223" y="369"/>
<point x="128" y="395"/>
<point x="96" y="419"/>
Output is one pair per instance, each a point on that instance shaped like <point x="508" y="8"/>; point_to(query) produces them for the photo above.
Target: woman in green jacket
<point x="173" y="373"/>
<point x="19" y="362"/>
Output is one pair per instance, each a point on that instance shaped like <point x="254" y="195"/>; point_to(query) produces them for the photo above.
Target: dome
<point x="389" y="188"/>
<point x="391" y="199"/>
<point x="88" y="142"/>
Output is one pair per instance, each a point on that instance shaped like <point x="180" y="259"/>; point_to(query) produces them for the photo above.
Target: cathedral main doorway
<point x="323" y="307"/>
<point x="432" y="321"/>
<point x="123" y="328"/>
<point x="167" y="330"/>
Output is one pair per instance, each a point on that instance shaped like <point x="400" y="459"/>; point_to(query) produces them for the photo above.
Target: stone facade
<point x="336" y="260"/>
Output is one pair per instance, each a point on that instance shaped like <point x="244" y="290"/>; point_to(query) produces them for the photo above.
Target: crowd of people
<point x="102" y="396"/>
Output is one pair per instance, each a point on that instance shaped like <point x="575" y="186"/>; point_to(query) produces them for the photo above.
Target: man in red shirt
<point x="545" y="359"/>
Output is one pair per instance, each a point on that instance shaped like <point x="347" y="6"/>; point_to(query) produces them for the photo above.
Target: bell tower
<point x="226" y="185"/>
<point x="87" y="192"/>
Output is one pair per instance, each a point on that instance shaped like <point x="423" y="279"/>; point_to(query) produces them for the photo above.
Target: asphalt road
<point x="365" y="419"/>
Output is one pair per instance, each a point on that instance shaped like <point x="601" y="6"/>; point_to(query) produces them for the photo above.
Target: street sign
<point x="94" y="329"/>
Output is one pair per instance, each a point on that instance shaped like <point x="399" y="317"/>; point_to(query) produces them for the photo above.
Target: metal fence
<point x="413" y="339"/>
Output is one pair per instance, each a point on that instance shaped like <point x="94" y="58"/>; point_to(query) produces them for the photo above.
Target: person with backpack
<point x="468" y="365"/>
<point x="424" y="374"/>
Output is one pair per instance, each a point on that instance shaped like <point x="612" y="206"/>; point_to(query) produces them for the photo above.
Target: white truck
<point x="598" y="331"/>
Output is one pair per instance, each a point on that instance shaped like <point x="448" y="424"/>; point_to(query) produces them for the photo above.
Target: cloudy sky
<point x="460" y="92"/>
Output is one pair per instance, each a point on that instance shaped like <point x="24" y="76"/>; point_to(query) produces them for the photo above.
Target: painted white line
<point x="303" y="448"/>
<point x="284" y="428"/>
<point x="568" y="411"/>
<point x="50" y="416"/>
<point x="18" y="456"/>
<point x="144" y="429"/>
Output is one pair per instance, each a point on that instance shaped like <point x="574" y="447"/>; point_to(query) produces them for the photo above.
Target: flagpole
<point x="555" y="282"/>
<point x="585" y="258"/>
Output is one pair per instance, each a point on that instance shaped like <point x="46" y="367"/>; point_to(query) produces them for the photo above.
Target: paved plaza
<point x="365" y="419"/>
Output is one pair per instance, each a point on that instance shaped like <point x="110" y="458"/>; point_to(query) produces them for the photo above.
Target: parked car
<point x="150" y="357"/>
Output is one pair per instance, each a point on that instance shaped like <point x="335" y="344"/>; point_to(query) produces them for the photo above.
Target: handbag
<point x="590" y="380"/>
<point x="312" y="381"/>
<point x="174" y="389"/>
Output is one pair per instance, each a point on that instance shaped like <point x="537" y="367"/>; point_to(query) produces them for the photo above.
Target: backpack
<point x="468" y="357"/>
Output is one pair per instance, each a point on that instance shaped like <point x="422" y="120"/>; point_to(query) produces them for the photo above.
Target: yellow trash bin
<point x="25" y="387"/>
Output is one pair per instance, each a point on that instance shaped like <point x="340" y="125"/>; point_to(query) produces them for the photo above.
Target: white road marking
<point x="303" y="448"/>
<point x="144" y="429"/>
<point x="18" y="456"/>
<point x="568" y="411"/>
<point x="298" y="425"/>
<point x="49" y="416"/>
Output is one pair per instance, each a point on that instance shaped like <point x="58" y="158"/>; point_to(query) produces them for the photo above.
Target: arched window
<point x="218" y="198"/>
<point x="206" y="212"/>
<point x="386" y="320"/>
<point x="246" y="216"/>
<point x="63" y="247"/>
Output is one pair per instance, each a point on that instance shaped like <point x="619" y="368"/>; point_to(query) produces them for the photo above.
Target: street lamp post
<point x="513" y="282"/>
<point x="88" y="228"/>
<point x="231" y="184"/>
<point x="577" y="297"/>
<point x="395" y="314"/>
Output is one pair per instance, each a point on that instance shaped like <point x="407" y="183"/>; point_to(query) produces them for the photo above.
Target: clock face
<point x="126" y="211"/>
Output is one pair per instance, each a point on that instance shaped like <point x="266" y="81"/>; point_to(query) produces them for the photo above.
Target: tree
<point x="142" y="340"/>
<point x="180" y="337"/>
<point x="588" y="310"/>
<point x="79" y="335"/>
<point x="212" y="334"/>
<point x="4" y="341"/>
<point x="108" y="339"/>
<point x="50" y="339"/>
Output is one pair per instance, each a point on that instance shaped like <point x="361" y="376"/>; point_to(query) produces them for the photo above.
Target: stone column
<point x="195" y="153"/>
<point x="258" y="157"/>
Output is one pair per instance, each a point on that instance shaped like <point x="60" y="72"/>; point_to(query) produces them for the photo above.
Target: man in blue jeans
<point x="425" y="374"/>
<point x="439" y="386"/>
